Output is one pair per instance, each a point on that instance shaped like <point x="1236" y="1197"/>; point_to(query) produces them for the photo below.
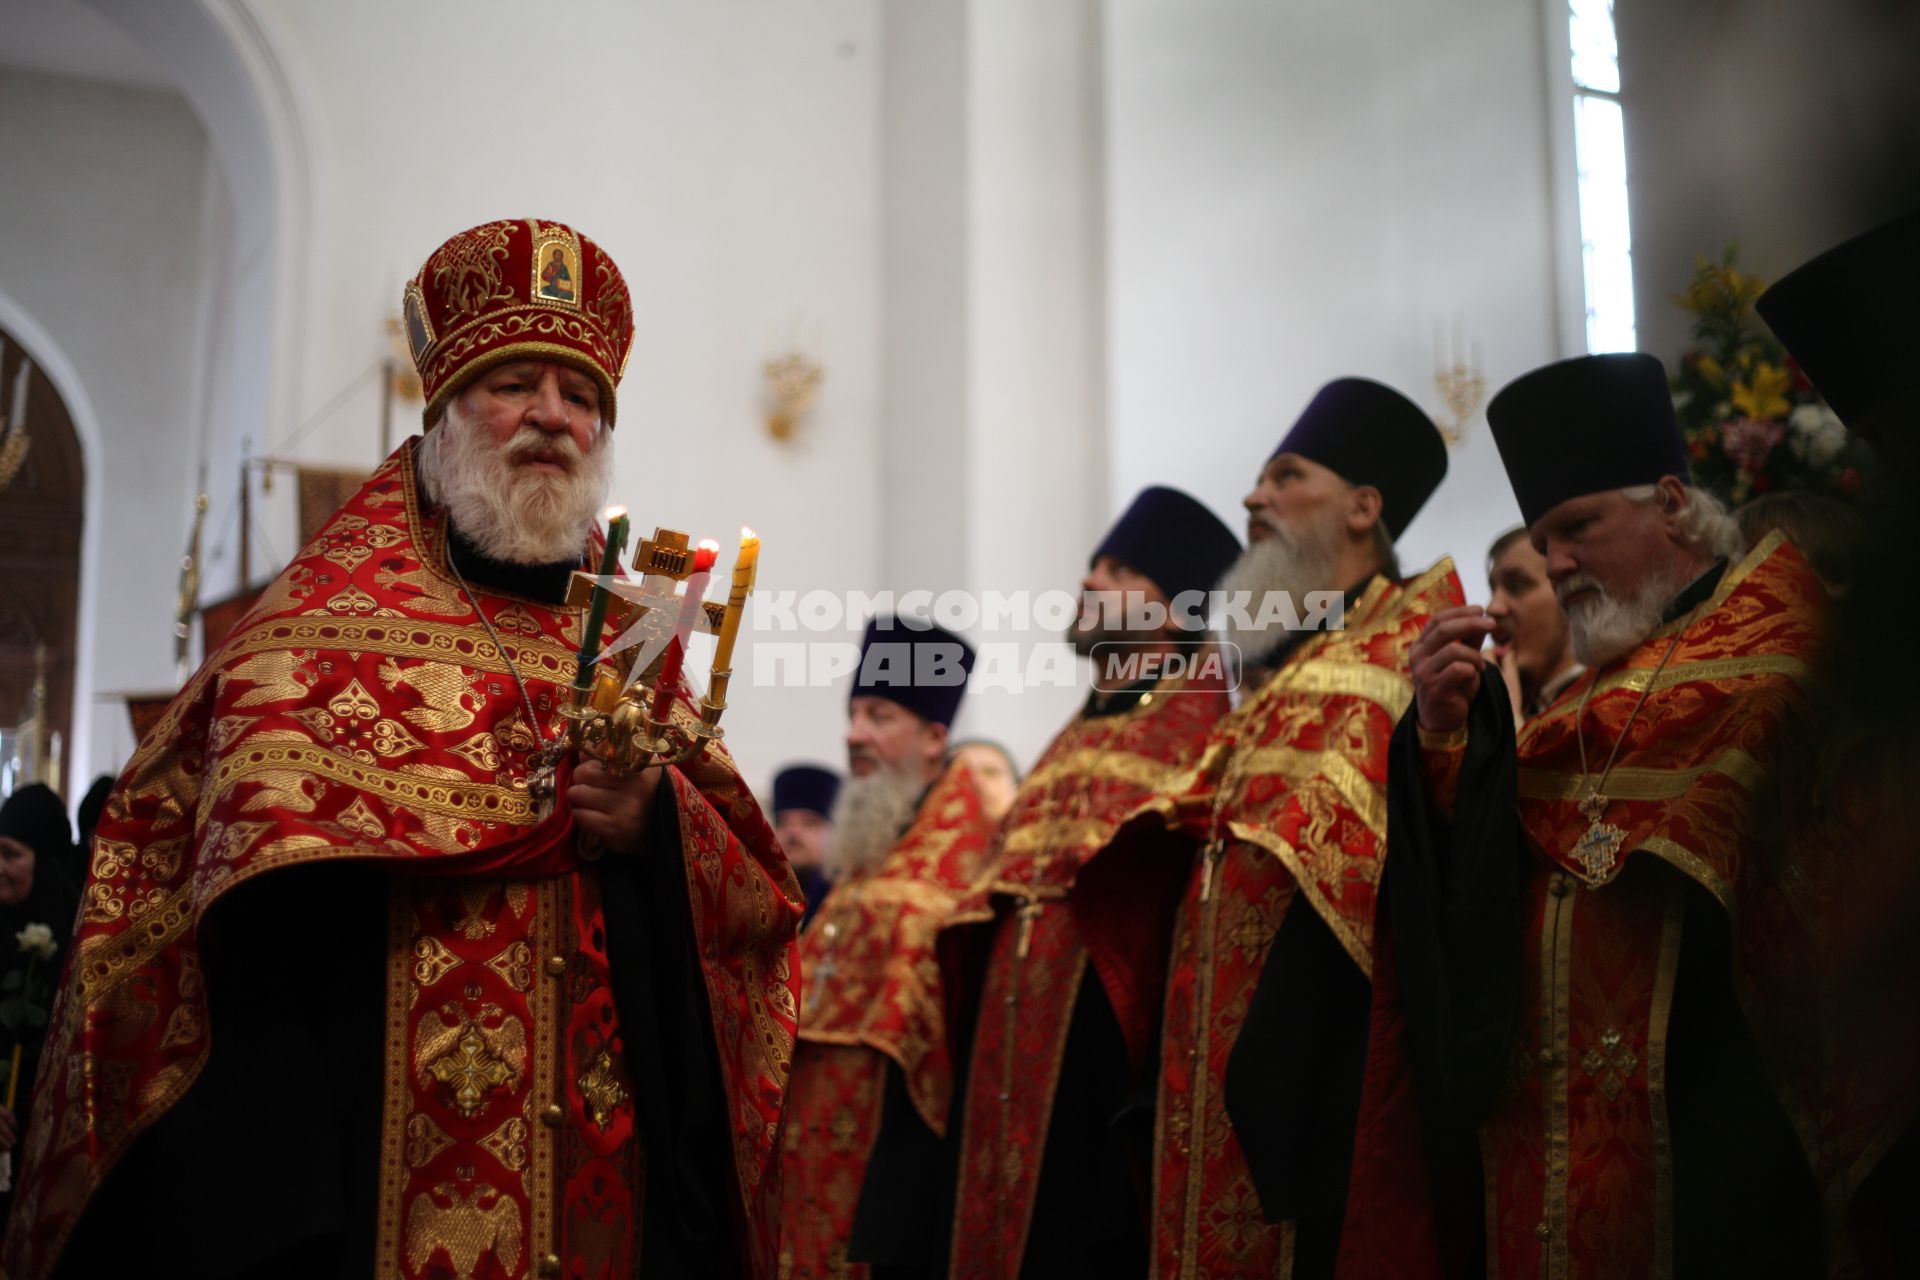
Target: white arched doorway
<point x="155" y="275"/>
<point x="53" y="362"/>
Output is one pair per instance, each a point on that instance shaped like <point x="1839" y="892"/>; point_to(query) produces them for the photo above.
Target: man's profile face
<point x="554" y="399"/>
<point x="803" y="834"/>
<point x="992" y="776"/>
<point x="1526" y="616"/>
<point x="1295" y="493"/>
<point x="1098" y="619"/>
<point x="1601" y="543"/>
<point x="882" y="734"/>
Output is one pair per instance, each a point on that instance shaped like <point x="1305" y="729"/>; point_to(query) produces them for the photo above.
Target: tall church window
<point x="1600" y="158"/>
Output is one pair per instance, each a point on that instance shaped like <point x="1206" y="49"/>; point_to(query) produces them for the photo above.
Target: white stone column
<point x="993" y="314"/>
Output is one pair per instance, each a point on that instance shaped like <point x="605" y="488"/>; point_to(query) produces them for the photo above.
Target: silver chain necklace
<point x="545" y="755"/>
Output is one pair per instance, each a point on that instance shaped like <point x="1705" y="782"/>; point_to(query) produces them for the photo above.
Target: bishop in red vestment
<point x="873" y="1077"/>
<point x="1281" y="823"/>
<point x="1054" y="1154"/>
<point x="341" y="1000"/>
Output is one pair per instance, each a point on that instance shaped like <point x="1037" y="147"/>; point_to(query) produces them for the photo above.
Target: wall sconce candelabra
<point x="1459" y="378"/>
<point x="14" y="441"/>
<point x="793" y="384"/>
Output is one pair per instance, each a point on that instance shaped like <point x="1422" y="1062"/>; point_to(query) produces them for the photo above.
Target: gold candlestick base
<point x="627" y="738"/>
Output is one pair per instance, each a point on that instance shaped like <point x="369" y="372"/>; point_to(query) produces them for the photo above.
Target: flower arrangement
<point x="1753" y="424"/>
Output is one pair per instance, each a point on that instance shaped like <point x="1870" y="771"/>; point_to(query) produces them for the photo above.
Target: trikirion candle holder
<point x="628" y="723"/>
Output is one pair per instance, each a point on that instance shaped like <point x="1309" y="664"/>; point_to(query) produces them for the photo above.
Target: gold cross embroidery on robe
<point x="1611" y="1063"/>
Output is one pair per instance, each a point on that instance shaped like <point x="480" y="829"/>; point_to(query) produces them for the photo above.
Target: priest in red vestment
<point x="1278" y="827"/>
<point x="1055" y="1147"/>
<point x="1595" y="1050"/>
<point x="342" y="1000"/>
<point x="873" y="1077"/>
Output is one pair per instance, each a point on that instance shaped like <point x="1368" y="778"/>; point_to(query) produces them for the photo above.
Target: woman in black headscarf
<point x="86" y="818"/>
<point x="36" y="845"/>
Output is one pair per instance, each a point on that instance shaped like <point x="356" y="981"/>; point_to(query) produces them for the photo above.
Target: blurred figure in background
<point x="803" y="796"/>
<point x="995" y="774"/>
<point x="88" y="817"/>
<point x="1848" y="318"/>
<point x="36" y="917"/>
<point x="1532" y="645"/>
<point x="1829" y="532"/>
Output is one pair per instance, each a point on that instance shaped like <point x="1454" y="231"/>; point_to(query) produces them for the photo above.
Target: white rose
<point x="1818" y="434"/>
<point x="37" y="938"/>
<point x="1828" y="441"/>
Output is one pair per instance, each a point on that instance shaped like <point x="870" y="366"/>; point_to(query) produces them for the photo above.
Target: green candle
<point x="597" y="606"/>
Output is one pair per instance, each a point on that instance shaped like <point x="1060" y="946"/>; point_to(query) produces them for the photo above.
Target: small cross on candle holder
<point x="613" y="716"/>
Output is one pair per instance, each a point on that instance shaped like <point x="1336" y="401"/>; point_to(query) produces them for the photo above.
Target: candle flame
<point x="708" y="544"/>
<point x="613" y="513"/>
<point x="748" y="535"/>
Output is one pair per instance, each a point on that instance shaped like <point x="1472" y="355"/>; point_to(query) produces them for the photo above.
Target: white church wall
<point x="101" y="245"/>
<point x="1301" y="191"/>
<point x="726" y="155"/>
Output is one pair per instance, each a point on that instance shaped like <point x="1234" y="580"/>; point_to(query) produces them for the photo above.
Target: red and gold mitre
<point x="517" y="290"/>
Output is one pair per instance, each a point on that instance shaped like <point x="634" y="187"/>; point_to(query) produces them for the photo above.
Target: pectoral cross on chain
<point x="1208" y="857"/>
<point x="1599" y="846"/>
<point x="823" y="972"/>
<point x="1029" y="912"/>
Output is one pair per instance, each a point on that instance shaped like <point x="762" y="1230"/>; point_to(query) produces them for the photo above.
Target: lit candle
<point x="690" y="605"/>
<point x="597" y="605"/>
<point x="18" y="417"/>
<point x="743" y="574"/>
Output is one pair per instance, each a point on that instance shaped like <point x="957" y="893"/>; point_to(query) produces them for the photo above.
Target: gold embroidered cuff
<point x="1453" y="741"/>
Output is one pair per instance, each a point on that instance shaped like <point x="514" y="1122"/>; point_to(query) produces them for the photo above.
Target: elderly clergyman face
<point x="1616" y="558"/>
<point x="521" y="460"/>
<point x="1299" y="515"/>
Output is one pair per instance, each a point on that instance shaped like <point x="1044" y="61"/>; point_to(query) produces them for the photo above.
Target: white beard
<point x="868" y="818"/>
<point x="1604" y="627"/>
<point x="1285" y="561"/>
<point x="508" y="513"/>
